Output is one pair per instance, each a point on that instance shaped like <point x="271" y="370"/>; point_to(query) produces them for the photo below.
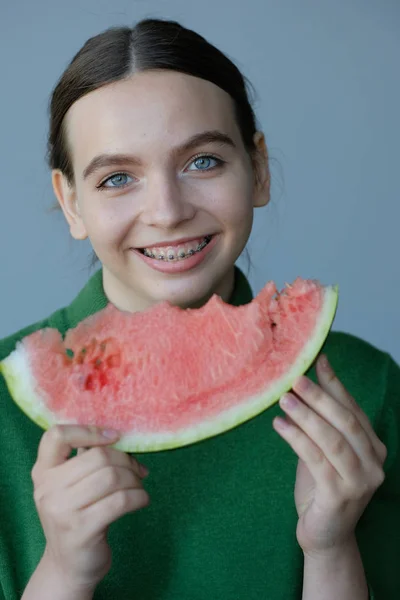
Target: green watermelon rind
<point x="16" y="371"/>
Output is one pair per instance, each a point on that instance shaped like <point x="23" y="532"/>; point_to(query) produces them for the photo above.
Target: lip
<point x="179" y="266"/>
<point x="167" y="243"/>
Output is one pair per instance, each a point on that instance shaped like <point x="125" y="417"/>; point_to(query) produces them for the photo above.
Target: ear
<point x="261" y="167"/>
<point x="66" y="196"/>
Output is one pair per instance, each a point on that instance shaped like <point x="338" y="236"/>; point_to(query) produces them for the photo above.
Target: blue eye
<point x="120" y="180"/>
<point x="117" y="180"/>
<point x="204" y="162"/>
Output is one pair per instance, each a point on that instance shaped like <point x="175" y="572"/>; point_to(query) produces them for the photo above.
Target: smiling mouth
<point x="177" y="253"/>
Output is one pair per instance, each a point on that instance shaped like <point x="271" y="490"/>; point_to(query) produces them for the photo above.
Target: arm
<point x="340" y="575"/>
<point x="377" y="533"/>
<point x="46" y="584"/>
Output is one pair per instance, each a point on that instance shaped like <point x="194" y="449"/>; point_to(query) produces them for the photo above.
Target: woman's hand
<point x="78" y="498"/>
<point x="340" y="460"/>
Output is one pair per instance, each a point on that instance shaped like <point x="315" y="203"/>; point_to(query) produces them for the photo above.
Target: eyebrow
<point x="206" y="137"/>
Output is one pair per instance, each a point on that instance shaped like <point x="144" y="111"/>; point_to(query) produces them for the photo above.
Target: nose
<point x="164" y="202"/>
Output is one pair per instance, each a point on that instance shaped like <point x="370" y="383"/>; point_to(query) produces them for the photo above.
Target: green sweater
<point x="221" y="524"/>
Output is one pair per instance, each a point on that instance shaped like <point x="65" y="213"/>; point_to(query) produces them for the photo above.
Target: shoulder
<point x="354" y="355"/>
<point x="90" y="299"/>
<point x="56" y="320"/>
<point x="340" y="341"/>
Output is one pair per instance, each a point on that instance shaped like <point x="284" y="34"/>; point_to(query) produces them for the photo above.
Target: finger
<point x="93" y="460"/>
<point x="101" y="514"/>
<point x="337" y="417"/>
<point x="81" y="451"/>
<point x="333" y="388"/>
<point x="331" y="442"/>
<point x="331" y="384"/>
<point x="57" y="443"/>
<point x="100" y="484"/>
<point x="309" y="452"/>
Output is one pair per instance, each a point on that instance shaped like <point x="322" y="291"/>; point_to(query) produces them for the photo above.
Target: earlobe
<point x="66" y="196"/>
<point x="263" y="183"/>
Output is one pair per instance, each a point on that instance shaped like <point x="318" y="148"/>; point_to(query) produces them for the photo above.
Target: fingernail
<point x="324" y="361"/>
<point x="289" y="401"/>
<point x="110" y="434"/>
<point x="144" y="470"/>
<point x="302" y="384"/>
<point x="281" y="423"/>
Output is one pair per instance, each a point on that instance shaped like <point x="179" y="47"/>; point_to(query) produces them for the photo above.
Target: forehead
<point x="153" y="107"/>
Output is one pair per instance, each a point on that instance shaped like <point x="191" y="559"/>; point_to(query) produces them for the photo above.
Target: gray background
<point x="327" y="79"/>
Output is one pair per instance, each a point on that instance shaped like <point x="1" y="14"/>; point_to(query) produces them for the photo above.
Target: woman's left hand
<point x="340" y="460"/>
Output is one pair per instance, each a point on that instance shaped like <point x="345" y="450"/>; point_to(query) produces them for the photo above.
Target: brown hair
<point x="119" y="52"/>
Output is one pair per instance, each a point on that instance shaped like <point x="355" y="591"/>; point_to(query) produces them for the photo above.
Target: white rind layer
<point x="17" y="372"/>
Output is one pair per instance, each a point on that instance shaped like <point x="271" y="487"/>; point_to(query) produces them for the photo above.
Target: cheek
<point x="234" y="203"/>
<point x="107" y="222"/>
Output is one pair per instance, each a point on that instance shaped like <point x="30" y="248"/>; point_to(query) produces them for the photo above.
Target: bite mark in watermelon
<point x="168" y="377"/>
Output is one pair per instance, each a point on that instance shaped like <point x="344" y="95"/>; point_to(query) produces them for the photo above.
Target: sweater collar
<point x="92" y="297"/>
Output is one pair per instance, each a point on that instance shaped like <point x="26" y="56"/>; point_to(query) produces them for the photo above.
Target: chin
<point x="188" y="289"/>
<point x="184" y="296"/>
<point x="192" y="289"/>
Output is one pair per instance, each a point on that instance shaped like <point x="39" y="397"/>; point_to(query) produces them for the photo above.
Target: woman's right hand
<point x="78" y="498"/>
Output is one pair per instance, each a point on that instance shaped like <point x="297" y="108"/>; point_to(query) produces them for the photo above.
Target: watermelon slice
<point x="168" y="377"/>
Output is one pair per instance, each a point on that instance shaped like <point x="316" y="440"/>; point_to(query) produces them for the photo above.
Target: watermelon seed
<point x="69" y="352"/>
<point x="89" y="384"/>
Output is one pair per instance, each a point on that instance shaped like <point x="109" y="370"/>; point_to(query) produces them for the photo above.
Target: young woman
<point x="157" y="159"/>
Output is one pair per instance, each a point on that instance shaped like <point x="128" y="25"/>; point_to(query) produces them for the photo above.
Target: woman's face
<point x="161" y="189"/>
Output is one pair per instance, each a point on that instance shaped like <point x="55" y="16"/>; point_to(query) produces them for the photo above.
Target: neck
<point x="126" y="298"/>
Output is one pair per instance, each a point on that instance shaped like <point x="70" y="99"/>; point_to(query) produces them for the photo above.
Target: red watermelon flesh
<point x="167" y="376"/>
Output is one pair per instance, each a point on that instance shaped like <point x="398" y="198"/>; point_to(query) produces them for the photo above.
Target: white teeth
<point x="170" y="255"/>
